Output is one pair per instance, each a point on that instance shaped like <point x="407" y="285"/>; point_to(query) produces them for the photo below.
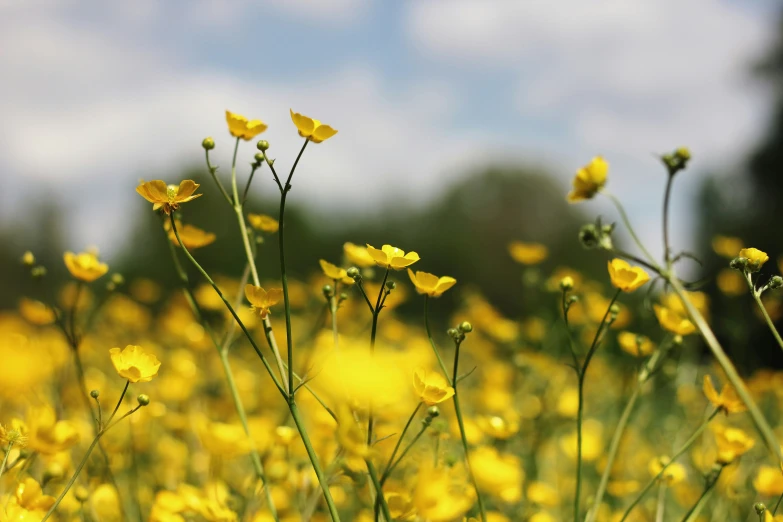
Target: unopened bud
<point x="775" y="282"/>
<point x="567" y="283"/>
<point x="760" y="508"/>
<point x="38" y="272"/>
<point x="28" y="259"/>
<point x="572" y="299"/>
<point x="208" y="143"/>
<point x="433" y="411"/>
<point x="259" y="157"/>
<point x="353" y="273"/>
<point x="453" y="333"/>
<point x="117" y="279"/>
<point x="739" y="263"/>
<point x="614" y="309"/>
<point x="327" y="290"/>
<point x="143" y="399"/>
<point x="81" y="494"/>
<point x="465" y="327"/>
<point x="94" y="394"/>
<point x="262" y="145"/>
<point x="391" y="285"/>
<point x="54" y="471"/>
<point x="343" y="296"/>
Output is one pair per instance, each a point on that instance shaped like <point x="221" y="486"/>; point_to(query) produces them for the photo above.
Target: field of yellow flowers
<point x="312" y="400"/>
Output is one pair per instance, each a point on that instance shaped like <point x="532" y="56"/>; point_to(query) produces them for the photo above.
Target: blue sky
<point x="96" y="95"/>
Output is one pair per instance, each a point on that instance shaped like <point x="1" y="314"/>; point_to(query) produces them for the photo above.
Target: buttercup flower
<point x="674" y="474"/>
<point x="312" y="129"/>
<point x="335" y="272"/>
<point x="527" y="253"/>
<point x="756" y="258"/>
<point x="47" y="435"/>
<point x="431" y="387"/>
<point x="168" y="197"/>
<point x="732" y="443"/>
<point x="429" y="284"/>
<point x="626" y="277"/>
<point x="134" y="364"/>
<point x="28" y="504"/>
<point x="726" y="400"/>
<point x="191" y="236"/>
<point x="392" y="257"/>
<point x="240" y="127"/>
<point x="672" y="321"/>
<point x="358" y="255"/>
<point x="726" y="246"/>
<point x="589" y="180"/>
<point x="36" y="312"/>
<point x="263" y="223"/>
<point x="85" y="266"/>
<point x="261" y="300"/>
<point x="635" y="344"/>
<point x="769" y="481"/>
<point x="13" y="434"/>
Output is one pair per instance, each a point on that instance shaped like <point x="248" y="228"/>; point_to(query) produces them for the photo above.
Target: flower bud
<point x="81" y="494"/>
<point x="465" y="327"/>
<point x="572" y="299"/>
<point x="208" y="143"/>
<point x="262" y="145"/>
<point x="677" y="340"/>
<point x="683" y="154"/>
<point x="739" y="263"/>
<point x="589" y="236"/>
<point x="94" y="394"/>
<point x="760" y="508"/>
<point x="353" y="273"/>
<point x="614" y="309"/>
<point x="117" y="279"/>
<point x="453" y="333"/>
<point x="327" y="290"/>
<point x="38" y="272"/>
<point x="54" y="471"/>
<point x="259" y="157"/>
<point x="28" y="259"/>
<point x="567" y="283"/>
<point x="143" y="399"/>
<point x="775" y="282"/>
<point x="343" y="296"/>
<point x="391" y="285"/>
<point x="433" y="411"/>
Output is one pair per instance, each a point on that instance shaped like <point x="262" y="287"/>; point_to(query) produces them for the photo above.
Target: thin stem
<point x="119" y="402"/>
<point x="376" y="312"/>
<point x="685" y="447"/>
<point x="757" y="297"/>
<point x="697" y="507"/>
<point x="614" y="446"/>
<point x="5" y="458"/>
<point x="256" y="166"/>
<point x="628" y="226"/>
<point x="666" y="201"/>
<point x="462" y="434"/>
<point x="74" y="306"/>
<point x="660" y="505"/>
<point x="364" y="294"/>
<point x="387" y="469"/>
<point x="74" y="477"/>
<point x="777" y="505"/>
<point x="405" y="451"/>
<point x="213" y="173"/>
<point x="429" y="335"/>
<point x="379" y="497"/>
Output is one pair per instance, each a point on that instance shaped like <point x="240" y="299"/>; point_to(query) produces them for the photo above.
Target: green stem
<point x="660" y="505"/>
<point x="5" y="458"/>
<point x="699" y="505"/>
<point x="213" y="173"/>
<point x="614" y="446"/>
<point x="72" y="318"/>
<point x="390" y="469"/>
<point x="429" y="335"/>
<point x="777" y="505"/>
<point x="74" y="477"/>
<point x="387" y="470"/>
<point x="767" y="318"/>
<point x="119" y="402"/>
<point x="685" y="447"/>
<point x="628" y="226"/>
<point x="463" y="436"/>
<point x="373" y="332"/>
<point x="380" y="499"/>
<point x="292" y="406"/>
<point x="666" y="200"/>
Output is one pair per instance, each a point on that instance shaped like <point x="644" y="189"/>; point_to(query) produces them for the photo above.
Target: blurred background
<point x="460" y="126"/>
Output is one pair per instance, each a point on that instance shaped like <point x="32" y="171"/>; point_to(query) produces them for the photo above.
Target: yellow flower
<point x="731" y="282"/>
<point x="672" y="321"/>
<point x="442" y="494"/>
<point x="499" y="474"/>
<point x="192" y="237"/>
<point x="85" y="266"/>
<point x="499" y="427"/>
<point x="756" y="258"/>
<point x="674" y="474"/>
<point x="392" y="257"/>
<point x="528" y="253"/>
<point x="431" y="387"/>
<point x="769" y="481"/>
<point x="429" y="284"/>
<point x="263" y="223"/>
<point x="46" y="434"/>
<point x="732" y="443"/>
<point x="335" y="272"/>
<point x="726" y="246"/>
<point x="225" y="440"/>
<point x="358" y="255"/>
<point x="726" y="400"/>
<point x="13" y="434"/>
<point x="261" y="300"/>
<point x="635" y="344"/>
<point x="36" y="312"/>
<point x="626" y="277"/>
<point x="312" y="129"/>
<point x="28" y="504"/>
<point x="240" y="127"/>
<point x="543" y="494"/>
<point x="134" y="364"/>
<point x="168" y="197"/>
<point x="589" y="180"/>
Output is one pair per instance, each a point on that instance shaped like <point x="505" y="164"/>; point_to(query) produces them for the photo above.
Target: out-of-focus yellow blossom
<point x="542" y="516"/>
<point x="635" y="344"/>
<point x="28" y="504"/>
<point x="589" y="180"/>
<point x="442" y="494"/>
<point x="769" y="517"/>
<point x="263" y="223"/>
<point x="726" y="246"/>
<point x="500" y="475"/>
<point x="756" y="258"/>
<point x="431" y="387"/>
<point x="392" y="257"/>
<point x="261" y="300"/>
<point x="358" y="255"/>
<point x="240" y="127"/>
<point x="311" y="129"/>
<point x="191" y="236"/>
<point x="429" y="284"/>
<point x="672" y="321"/>
<point x="768" y="481"/>
<point x="674" y="474"/>
<point x="499" y="427"/>
<point x="699" y="300"/>
<point x="335" y="272"/>
<point x="13" y="434"/>
<point x="105" y="503"/>
<point x="623" y="488"/>
<point x="47" y="435"/>
<point x="732" y="443"/>
<point x="726" y="400"/>
<point x="731" y="282"/>
<point x="225" y="440"/>
<point x="352" y="440"/>
<point x="592" y="441"/>
<point x="568" y="402"/>
<point x="134" y="363"/>
<point x="400" y="505"/>
<point x="35" y="312"/>
<point x="543" y="494"/>
<point x="85" y="266"/>
<point x="168" y="197"/>
<point x="145" y="290"/>
<point x="626" y="277"/>
<point x="527" y="253"/>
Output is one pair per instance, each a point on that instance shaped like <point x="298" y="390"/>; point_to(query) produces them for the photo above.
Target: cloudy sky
<point x="95" y="95"/>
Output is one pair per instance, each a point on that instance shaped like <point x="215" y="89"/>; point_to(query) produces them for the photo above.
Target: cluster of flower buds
<point x="596" y="235"/>
<point x="458" y="333"/>
<point x="677" y="160"/>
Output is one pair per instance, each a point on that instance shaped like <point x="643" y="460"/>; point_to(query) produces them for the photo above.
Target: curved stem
<point x="429" y="335"/>
<point x="74" y="477"/>
<point x="119" y="402"/>
<point x="213" y="173"/>
<point x="697" y="507"/>
<point x="387" y="470"/>
<point x="5" y="458"/>
<point x="767" y="318"/>
<point x="628" y="226"/>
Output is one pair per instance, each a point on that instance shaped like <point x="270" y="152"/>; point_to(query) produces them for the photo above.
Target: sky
<point x="96" y="95"/>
